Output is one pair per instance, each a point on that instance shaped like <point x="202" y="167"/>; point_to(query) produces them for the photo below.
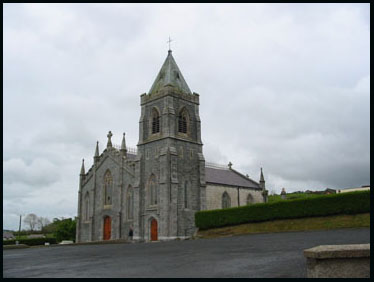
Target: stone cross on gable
<point x="230" y="165"/>
<point x="109" y="144"/>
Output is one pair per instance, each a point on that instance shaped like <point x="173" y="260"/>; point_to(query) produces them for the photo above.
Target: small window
<point x="87" y="207"/>
<point x="108" y="183"/>
<point x="226" y="201"/>
<point x="185" y="195"/>
<point x="250" y="199"/>
<point x="130" y="203"/>
<point x="152" y="190"/>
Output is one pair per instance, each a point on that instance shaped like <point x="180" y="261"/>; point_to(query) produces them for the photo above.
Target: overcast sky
<point x="285" y="87"/>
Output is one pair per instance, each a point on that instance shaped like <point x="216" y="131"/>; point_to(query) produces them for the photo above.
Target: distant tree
<point x="31" y="220"/>
<point x="42" y="222"/>
<point x="273" y="192"/>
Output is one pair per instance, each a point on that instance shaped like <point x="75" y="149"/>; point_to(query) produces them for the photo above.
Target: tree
<point x="42" y="222"/>
<point x="65" y="229"/>
<point x="31" y="220"/>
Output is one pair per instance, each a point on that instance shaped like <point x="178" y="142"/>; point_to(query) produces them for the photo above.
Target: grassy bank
<point x="299" y="224"/>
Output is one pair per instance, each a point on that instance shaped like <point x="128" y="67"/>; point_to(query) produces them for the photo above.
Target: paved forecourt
<point x="256" y="255"/>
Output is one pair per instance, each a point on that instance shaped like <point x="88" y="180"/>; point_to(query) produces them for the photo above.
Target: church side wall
<point x="256" y="195"/>
<point x="214" y="194"/>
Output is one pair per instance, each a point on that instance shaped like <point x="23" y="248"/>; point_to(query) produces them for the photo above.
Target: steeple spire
<point x="123" y="145"/>
<point x="169" y="75"/>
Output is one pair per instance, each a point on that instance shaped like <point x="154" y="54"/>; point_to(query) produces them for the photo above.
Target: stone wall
<point x="338" y="261"/>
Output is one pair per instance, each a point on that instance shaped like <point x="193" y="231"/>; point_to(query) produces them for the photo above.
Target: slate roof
<point x="170" y="74"/>
<point x="228" y="177"/>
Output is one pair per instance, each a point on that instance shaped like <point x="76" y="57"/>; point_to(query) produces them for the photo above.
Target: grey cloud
<point x="282" y="86"/>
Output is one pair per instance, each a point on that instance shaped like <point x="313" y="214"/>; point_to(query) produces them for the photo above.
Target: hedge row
<point x="322" y="205"/>
<point x="31" y="241"/>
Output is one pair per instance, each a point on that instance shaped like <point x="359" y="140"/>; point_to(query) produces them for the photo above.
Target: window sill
<point x="107" y="207"/>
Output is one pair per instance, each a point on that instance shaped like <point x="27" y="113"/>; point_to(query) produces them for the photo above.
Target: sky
<point x="285" y="87"/>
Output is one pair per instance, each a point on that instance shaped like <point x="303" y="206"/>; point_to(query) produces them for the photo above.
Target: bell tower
<point x="170" y="163"/>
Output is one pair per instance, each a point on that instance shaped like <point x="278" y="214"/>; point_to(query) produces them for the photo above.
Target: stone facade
<point x="157" y="190"/>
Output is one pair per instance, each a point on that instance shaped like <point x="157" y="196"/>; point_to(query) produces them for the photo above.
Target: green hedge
<point x="320" y="205"/>
<point x="31" y="241"/>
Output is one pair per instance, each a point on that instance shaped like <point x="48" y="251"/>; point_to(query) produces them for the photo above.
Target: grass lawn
<point x="299" y="224"/>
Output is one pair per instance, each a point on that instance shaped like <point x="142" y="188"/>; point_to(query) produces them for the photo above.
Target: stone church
<point x="157" y="188"/>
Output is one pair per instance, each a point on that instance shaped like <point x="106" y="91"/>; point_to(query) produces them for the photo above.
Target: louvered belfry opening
<point x="155" y="122"/>
<point x="182" y="124"/>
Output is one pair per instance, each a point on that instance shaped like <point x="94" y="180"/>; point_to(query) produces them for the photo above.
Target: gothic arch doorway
<point x="154" y="230"/>
<point x="107" y="227"/>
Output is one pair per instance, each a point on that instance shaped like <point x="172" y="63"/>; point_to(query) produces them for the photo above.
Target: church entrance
<point x="107" y="227"/>
<point x="154" y="236"/>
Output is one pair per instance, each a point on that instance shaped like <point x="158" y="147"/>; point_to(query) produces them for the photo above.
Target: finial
<point x="82" y="168"/>
<point x="262" y="176"/>
<point x="123" y="145"/>
<point x="230" y="165"/>
<point x="97" y="149"/>
<point x="262" y="180"/>
<point x="109" y="144"/>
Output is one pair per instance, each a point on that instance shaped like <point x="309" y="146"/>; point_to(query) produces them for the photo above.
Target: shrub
<point x="31" y="241"/>
<point x="65" y="229"/>
<point x="319" y="205"/>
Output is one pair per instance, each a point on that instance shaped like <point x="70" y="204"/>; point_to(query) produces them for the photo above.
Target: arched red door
<point x="107" y="227"/>
<point x="154" y="235"/>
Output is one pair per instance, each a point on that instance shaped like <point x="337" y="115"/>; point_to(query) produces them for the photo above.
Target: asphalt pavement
<point x="255" y="255"/>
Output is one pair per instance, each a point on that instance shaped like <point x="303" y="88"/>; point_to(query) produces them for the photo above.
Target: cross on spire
<point x="169" y="42"/>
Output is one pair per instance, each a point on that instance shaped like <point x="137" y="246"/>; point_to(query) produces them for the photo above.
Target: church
<point x="156" y="189"/>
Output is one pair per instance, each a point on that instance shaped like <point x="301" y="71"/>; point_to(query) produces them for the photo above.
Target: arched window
<point x="152" y="190"/>
<point x="183" y="121"/>
<point x="87" y="206"/>
<point x="108" y="183"/>
<point x="250" y="199"/>
<point x="226" y="201"/>
<point x="155" y="121"/>
<point x="130" y="203"/>
<point x="185" y="195"/>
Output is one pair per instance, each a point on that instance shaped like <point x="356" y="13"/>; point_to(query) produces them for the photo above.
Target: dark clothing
<point x="131" y="233"/>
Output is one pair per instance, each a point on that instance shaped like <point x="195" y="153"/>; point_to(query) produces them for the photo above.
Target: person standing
<point x="131" y="233"/>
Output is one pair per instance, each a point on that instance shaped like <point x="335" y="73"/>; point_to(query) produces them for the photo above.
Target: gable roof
<point x="228" y="177"/>
<point x="170" y="74"/>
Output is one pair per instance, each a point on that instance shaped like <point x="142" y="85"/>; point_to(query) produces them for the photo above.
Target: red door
<point x="107" y="227"/>
<point x="154" y="230"/>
